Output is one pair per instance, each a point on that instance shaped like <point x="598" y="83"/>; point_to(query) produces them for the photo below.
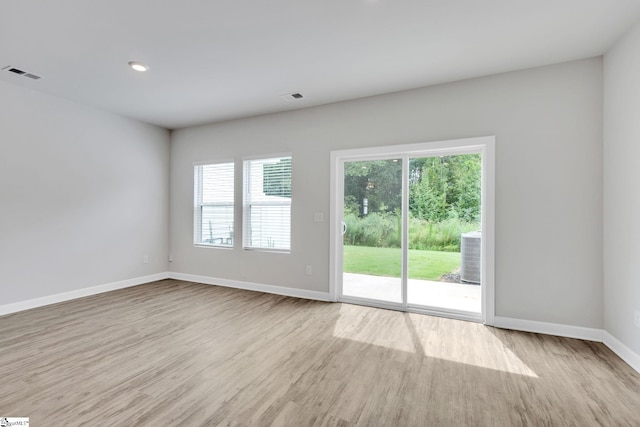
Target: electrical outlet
<point x="637" y="318"/>
<point x="308" y="270"/>
<point x="318" y="217"/>
<point x="145" y="259"/>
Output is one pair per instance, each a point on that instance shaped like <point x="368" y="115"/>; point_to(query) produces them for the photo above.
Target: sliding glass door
<point x="445" y="232"/>
<point x="372" y="239"/>
<point x="410" y="229"/>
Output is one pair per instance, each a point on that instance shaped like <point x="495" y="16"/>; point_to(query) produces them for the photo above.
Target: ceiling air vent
<point x="292" y="96"/>
<point x="20" y="72"/>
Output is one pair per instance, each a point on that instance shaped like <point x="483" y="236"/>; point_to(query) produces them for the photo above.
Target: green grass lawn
<point x="428" y="265"/>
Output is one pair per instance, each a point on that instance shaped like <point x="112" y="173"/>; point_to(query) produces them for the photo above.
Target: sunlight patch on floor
<point x="361" y="324"/>
<point x="467" y="343"/>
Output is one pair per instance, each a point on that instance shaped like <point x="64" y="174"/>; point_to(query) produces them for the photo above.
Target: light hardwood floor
<point x="174" y="353"/>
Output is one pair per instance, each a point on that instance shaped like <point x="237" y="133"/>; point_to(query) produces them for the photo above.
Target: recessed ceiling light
<point x="138" y="66"/>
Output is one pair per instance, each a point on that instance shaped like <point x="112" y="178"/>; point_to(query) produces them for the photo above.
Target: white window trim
<point x="197" y="205"/>
<point x="484" y="145"/>
<point x="246" y="229"/>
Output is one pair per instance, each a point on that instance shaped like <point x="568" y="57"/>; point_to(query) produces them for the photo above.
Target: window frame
<point x="198" y="204"/>
<point x="246" y="204"/>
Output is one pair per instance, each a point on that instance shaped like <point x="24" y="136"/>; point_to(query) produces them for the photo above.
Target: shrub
<point x="438" y="236"/>
<point x="375" y="229"/>
<point x="383" y="230"/>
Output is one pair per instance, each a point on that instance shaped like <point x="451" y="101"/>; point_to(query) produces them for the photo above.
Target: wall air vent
<point x="20" y="72"/>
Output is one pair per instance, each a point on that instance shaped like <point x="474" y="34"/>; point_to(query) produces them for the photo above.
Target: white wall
<point x="622" y="189"/>
<point x="548" y="125"/>
<point x="83" y="196"/>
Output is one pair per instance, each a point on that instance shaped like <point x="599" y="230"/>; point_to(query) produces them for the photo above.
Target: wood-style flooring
<point x="173" y="353"/>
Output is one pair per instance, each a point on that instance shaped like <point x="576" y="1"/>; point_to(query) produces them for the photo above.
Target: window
<point x="213" y="204"/>
<point x="267" y="203"/>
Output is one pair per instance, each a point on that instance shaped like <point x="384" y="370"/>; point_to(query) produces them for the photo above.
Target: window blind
<point x="214" y="204"/>
<point x="267" y="203"/>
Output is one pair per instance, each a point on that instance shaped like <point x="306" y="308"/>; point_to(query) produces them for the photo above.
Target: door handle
<point x="344" y="227"/>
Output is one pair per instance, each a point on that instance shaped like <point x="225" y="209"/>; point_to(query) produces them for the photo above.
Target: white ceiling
<point x="213" y="60"/>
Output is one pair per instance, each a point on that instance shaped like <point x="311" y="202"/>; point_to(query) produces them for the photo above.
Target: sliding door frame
<point x="483" y="145"/>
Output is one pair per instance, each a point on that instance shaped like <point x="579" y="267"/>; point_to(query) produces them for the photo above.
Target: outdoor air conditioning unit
<point x="470" y="251"/>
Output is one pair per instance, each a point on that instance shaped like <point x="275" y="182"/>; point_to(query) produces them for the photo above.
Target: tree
<point x="465" y="196"/>
<point x="276" y="178"/>
<point x="440" y="188"/>
<point x="445" y="187"/>
<point x="378" y="181"/>
<point x="428" y="188"/>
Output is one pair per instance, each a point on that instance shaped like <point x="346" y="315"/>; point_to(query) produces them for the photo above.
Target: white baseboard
<point x="79" y="293"/>
<point x="589" y="334"/>
<point x="625" y="353"/>
<point x="270" y="289"/>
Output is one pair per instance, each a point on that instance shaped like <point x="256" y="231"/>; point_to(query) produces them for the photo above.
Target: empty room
<point x="331" y="213"/>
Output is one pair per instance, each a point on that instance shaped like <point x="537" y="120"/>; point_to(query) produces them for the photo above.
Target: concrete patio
<point x="456" y="296"/>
